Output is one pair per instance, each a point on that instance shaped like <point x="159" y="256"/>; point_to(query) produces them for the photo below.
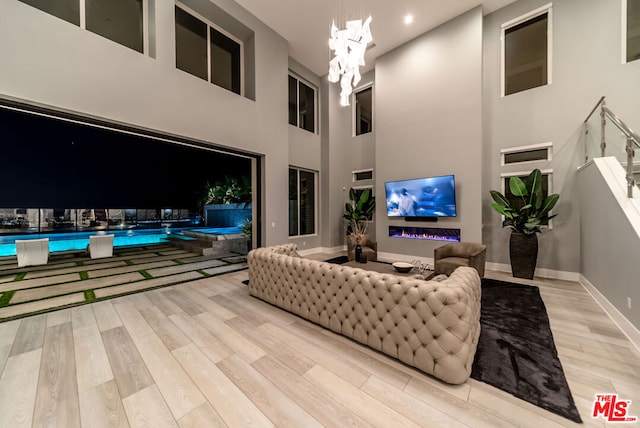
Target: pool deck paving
<point x="72" y="278"/>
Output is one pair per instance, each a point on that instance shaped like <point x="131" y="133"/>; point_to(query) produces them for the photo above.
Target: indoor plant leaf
<point x="517" y="186"/>
<point x="549" y="203"/>
<point x="534" y="182"/>
<point x="499" y="198"/>
<point x="530" y="208"/>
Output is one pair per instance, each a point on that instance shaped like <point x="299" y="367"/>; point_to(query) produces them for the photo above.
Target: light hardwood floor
<point x="206" y="354"/>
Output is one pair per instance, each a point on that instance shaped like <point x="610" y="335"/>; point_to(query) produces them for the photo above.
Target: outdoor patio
<point x="72" y="278"/>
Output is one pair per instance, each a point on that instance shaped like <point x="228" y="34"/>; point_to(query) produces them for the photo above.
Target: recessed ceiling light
<point x="408" y="19"/>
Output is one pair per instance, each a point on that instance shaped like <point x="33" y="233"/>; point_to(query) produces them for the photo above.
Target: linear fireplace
<point x="430" y="233"/>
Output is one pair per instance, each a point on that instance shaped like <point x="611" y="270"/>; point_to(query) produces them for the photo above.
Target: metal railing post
<point x="603" y="123"/>
<point x="586" y="142"/>
<point x="630" y="180"/>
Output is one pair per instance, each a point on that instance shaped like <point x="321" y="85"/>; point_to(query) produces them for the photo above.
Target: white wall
<point x="428" y="105"/>
<point x="586" y="65"/>
<point x="610" y="243"/>
<point x="49" y="61"/>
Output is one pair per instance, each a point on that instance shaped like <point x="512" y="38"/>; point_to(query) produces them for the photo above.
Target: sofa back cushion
<point x="431" y="325"/>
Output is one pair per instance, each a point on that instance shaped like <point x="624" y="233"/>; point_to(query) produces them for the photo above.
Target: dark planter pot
<point x="523" y="251"/>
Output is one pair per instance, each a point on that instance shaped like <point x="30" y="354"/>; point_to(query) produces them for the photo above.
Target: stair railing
<point x="632" y="141"/>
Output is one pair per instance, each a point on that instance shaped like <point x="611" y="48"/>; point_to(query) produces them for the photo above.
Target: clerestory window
<point x="121" y="21"/>
<point x="302" y="104"/>
<point x="631" y="37"/>
<point x="526" y="51"/>
<point x="207" y="52"/>
<point x="363" y="111"/>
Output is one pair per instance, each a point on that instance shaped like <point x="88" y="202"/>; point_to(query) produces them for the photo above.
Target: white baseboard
<point x="543" y="273"/>
<point x="620" y="320"/>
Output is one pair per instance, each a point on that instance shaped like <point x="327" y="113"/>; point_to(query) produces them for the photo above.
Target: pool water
<point x="80" y="240"/>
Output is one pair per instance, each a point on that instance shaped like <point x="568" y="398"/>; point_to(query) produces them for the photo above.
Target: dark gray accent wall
<point x="428" y="109"/>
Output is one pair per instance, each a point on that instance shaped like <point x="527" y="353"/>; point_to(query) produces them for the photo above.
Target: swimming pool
<point x="80" y="240"/>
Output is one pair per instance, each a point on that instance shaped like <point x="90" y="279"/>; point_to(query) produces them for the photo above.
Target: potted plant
<point x="247" y="228"/>
<point x="524" y="215"/>
<point x="356" y="214"/>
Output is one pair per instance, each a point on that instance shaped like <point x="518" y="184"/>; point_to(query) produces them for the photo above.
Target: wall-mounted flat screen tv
<point x="422" y="197"/>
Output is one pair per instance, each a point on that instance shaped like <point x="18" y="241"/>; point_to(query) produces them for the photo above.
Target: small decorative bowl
<point x="403" y="267"/>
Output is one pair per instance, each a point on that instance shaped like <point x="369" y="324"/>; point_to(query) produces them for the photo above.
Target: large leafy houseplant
<point x="357" y="211"/>
<point x="524" y="215"/>
<point x="530" y="209"/>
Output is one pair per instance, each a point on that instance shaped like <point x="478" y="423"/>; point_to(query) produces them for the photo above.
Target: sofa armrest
<point x="477" y="261"/>
<point x="442" y="252"/>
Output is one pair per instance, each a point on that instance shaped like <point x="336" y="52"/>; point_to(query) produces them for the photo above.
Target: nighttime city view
<point x="63" y="176"/>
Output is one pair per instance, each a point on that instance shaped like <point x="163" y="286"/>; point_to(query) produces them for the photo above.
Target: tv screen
<point x="422" y="197"/>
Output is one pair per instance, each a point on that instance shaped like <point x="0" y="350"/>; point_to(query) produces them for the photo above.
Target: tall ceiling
<point x="305" y="24"/>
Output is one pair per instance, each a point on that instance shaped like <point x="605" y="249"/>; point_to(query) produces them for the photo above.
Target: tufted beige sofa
<point x="433" y="326"/>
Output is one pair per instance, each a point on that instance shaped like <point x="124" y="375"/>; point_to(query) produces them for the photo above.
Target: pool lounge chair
<point x="101" y="246"/>
<point x="32" y="252"/>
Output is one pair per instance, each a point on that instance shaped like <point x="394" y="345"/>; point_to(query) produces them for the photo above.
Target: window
<point x="631" y="40"/>
<point x="225" y="61"/>
<point x="206" y="52"/>
<point x="302" y="104"/>
<point x="363" y="175"/>
<point x="363" y="111"/>
<point x="120" y="21"/>
<point x="302" y="202"/>
<point x="526" y="51"/>
<point x="191" y="44"/>
<point x="534" y="153"/>
<point x="69" y="10"/>
<point x="547" y="176"/>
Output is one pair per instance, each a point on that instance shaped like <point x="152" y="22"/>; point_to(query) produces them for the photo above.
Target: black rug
<point x="516" y="352"/>
<point x="338" y="260"/>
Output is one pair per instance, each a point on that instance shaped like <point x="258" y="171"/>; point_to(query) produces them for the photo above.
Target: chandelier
<point x="349" y="46"/>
